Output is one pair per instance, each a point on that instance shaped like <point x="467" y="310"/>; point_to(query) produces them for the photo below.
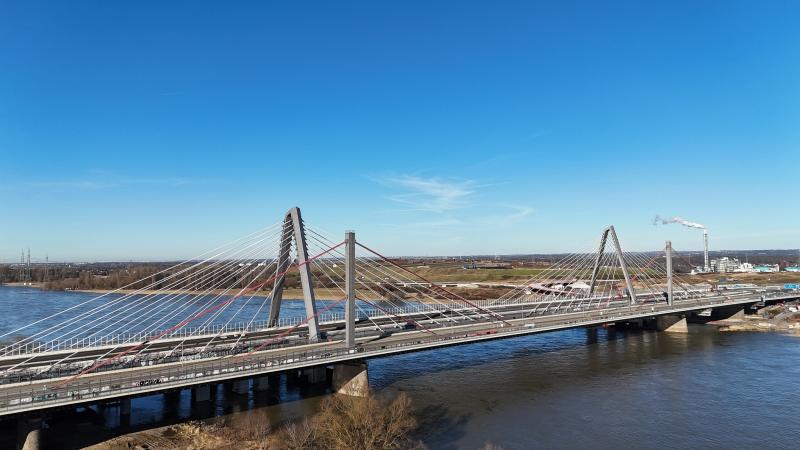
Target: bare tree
<point x="365" y="423"/>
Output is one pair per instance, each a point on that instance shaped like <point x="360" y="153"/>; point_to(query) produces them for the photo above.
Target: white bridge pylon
<point x="294" y="231"/>
<point x="610" y="231"/>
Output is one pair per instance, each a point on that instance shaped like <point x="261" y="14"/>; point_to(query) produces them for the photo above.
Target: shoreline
<point x="320" y="293"/>
<point x="326" y="294"/>
<point x="782" y="318"/>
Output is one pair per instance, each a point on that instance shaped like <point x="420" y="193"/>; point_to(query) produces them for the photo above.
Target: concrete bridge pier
<point x="201" y="394"/>
<point x="262" y="384"/>
<point x="737" y="315"/>
<point x="292" y="377"/>
<point x="672" y="323"/>
<point x="241" y="387"/>
<point x="125" y="412"/>
<point x="201" y="400"/>
<point x="29" y="433"/>
<point x="351" y="378"/>
<point x="172" y="402"/>
<point x="315" y="375"/>
<point x="241" y="395"/>
<point x="591" y="335"/>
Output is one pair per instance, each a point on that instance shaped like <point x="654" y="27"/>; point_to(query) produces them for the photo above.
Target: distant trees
<point x="151" y="276"/>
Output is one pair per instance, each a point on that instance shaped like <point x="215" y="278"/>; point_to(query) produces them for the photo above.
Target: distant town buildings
<point x="487" y="265"/>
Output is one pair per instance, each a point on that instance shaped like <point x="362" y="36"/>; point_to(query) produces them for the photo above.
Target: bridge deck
<point x="131" y="381"/>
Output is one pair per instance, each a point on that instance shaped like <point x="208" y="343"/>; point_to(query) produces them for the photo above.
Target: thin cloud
<point x="431" y="194"/>
<point x="518" y="212"/>
<point x="108" y="181"/>
<point x="427" y="224"/>
<point x="513" y="215"/>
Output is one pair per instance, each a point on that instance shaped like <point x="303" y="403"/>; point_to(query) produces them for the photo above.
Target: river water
<point x="573" y="389"/>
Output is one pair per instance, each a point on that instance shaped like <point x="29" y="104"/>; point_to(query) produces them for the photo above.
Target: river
<point x="573" y="389"/>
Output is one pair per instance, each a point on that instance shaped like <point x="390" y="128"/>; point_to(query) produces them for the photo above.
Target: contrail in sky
<point x="679" y="220"/>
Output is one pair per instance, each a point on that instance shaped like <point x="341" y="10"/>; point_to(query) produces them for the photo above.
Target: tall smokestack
<point x="690" y="224"/>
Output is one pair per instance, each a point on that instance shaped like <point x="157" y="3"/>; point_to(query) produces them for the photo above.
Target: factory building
<point x="725" y="265"/>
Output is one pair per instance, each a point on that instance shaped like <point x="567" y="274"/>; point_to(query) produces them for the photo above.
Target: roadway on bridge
<point x="46" y="364"/>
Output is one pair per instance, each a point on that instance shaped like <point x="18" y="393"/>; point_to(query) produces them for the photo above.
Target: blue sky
<point x="151" y="130"/>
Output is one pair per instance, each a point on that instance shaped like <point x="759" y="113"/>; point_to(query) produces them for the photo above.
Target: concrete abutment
<point x="351" y="378"/>
<point x="29" y="433"/>
<point x="672" y="323"/>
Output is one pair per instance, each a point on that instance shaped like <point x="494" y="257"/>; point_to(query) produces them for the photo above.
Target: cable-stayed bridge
<point x="218" y="317"/>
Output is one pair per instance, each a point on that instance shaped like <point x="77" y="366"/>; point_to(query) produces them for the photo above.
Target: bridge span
<point x="173" y="333"/>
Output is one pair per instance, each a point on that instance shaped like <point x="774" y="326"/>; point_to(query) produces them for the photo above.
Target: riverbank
<point x="197" y="435"/>
<point x="783" y="318"/>
<point x="320" y="293"/>
<point x="18" y="284"/>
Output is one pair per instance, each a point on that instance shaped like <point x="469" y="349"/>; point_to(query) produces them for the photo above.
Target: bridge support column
<point x="738" y="315"/>
<point x="350" y="288"/>
<point x="315" y="375"/>
<point x="351" y="378"/>
<point x="201" y="401"/>
<point x="668" y="251"/>
<point x="172" y="404"/>
<point x="241" y="387"/>
<point x="591" y="335"/>
<point x="125" y="412"/>
<point x="201" y="394"/>
<point x="261" y="384"/>
<point x="29" y="433"/>
<point x="293" y="377"/>
<point x="672" y="324"/>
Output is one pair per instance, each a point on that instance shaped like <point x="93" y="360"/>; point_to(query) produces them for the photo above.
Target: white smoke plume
<point x="676" y="219"/>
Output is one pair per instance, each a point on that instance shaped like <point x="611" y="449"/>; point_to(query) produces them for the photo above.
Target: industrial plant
<point x="723" y="264"/>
